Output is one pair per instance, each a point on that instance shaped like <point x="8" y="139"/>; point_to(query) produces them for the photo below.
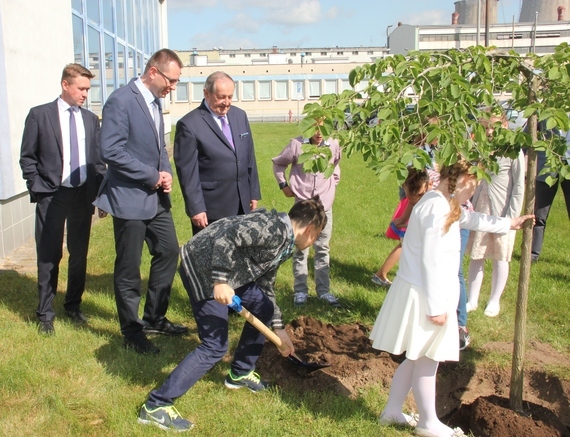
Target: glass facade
<point x="114" y="39"/>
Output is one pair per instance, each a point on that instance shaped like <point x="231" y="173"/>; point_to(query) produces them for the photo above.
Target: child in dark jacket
<point x="233" y="256"/>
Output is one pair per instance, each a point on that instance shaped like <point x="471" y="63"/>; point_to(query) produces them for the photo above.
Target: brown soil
<point x="469" y="395"/>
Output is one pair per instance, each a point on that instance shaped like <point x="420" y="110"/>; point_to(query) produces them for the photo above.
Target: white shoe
<point x="423" y="432"/>
<point x="409" y="420"/>
<point x="492" y="309"/>
<point x="470" y="307"/>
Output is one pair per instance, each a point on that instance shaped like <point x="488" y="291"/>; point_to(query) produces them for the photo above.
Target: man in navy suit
<point x="215" y="157"/>
<point x="135" y="192"/>
<point x="61" y="165"/>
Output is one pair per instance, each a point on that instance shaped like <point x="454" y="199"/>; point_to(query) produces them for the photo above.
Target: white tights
<point x="419" y="376"/>
<point x="498" y="280"/>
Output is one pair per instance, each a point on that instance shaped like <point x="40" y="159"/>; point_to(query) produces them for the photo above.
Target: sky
<point x="250" y="24"/>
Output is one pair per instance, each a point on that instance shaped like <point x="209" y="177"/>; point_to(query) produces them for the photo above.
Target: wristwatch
<point x="282" y="185"/>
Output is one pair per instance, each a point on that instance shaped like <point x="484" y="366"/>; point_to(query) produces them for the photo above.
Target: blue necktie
<point x="226" y="130"/>
<point x="74" y="175"/>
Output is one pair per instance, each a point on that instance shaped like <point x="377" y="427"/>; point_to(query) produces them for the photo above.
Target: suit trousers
<point x="545" y="195"/>
<point x="212" y="323"/>
<point x="130" y="235"/>
<point x="52" y="212"/>
<point x="322" y="262"/>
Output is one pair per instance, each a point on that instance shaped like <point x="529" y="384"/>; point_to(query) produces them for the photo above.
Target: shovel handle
<point x="257" y="324"/>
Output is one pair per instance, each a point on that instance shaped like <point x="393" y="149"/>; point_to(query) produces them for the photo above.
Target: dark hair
<point x="71" y="71"/>
<point x="416" y="180"/>
<point x="452" y="173"/>
<point x="309" y="212"/>
<point x="162" y="57"/>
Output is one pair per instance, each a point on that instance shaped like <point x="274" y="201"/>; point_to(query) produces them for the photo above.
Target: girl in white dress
<point x="419" y="315"/>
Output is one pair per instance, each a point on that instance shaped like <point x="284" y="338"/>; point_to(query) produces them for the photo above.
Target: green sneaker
<point x="251" y="381"/>
<point x="166" y="418"/>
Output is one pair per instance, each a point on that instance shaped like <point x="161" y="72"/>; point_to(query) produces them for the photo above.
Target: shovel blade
<point x="309" y="366"/>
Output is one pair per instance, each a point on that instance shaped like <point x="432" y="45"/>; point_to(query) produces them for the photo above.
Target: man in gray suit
<point x="61" y="165"/>
<point x="215" y="158"/>
<point x="135" y="192"/>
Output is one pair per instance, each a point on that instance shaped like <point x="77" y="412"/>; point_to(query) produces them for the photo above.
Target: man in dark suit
<point x="135" y="192"/>
<point x="215" y="157"/>
<point x="61" y="165"/>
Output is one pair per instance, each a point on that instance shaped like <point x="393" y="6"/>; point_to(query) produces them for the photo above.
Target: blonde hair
<point x="71" y="71"/>
<point x="452" y="173"/>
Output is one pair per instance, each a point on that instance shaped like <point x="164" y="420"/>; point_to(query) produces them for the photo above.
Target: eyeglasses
<point x="171" y="81"/>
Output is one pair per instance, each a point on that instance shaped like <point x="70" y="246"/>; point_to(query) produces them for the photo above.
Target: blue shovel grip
<point x="236" y="304"/>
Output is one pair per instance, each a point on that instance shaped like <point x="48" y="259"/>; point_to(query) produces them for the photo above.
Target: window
<point x="281" y="90"/>
<point x="109" y="65"/>
<point x="314" y="89"/>
<point x="355" y="53"/>
<point x="132" y="61"/>
<point x="131" y="22"/>
<point x="232" y="55"/>
<point x="345" y="84"/>
<point x="182" y="92"/>
<point x="330" y="86"/>
<point x="108" y="14"/>
<point x="323" y="53"/>
<point x="307" y="53"/>
<point x="247" y="55"/>
<point x="293" y="54"/>
<point x="197" y="91"/>
<point x="369" y="52"/>
<point x="235" y="97"/>
<point x="114" y="39"/>
<point x="340" y="53"/>
<point x="264" y="90"/>
<point x="248" y="91"/>
<point x="78" y="40"/>
<point x="298" y="90"/>
<point x="263" y="55"/>
<point x="93" y="11"/>
<point x="94" y="55"/>
<point x="361" y="86"/>
<point x="120" y="12"/>
<point x="121" y="65"/>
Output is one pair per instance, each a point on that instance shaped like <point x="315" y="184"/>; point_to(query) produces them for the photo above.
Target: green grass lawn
<point x="81" y="382"/>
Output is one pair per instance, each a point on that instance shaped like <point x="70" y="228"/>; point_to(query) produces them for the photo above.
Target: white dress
<point x="427" y="283"/>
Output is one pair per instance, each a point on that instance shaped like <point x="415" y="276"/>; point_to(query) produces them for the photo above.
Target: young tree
<point x="439" y="98"/>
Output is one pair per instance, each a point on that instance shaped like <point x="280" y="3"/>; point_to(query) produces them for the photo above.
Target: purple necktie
<point x="74" y="175"/>
<point x="226" y="130"/>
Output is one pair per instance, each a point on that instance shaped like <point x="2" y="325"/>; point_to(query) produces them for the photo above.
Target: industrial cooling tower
<point x="548" y="10"/>
<point x="467" y="10"/>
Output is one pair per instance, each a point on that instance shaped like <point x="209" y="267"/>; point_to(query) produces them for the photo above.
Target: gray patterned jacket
<point x="239" y="250"/>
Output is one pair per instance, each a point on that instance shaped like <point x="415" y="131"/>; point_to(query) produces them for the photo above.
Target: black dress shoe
<point x="165" y="327"/>
<point x="76" y="315"/>
<point x="47" y="328"/>
<point x="141" y="345"/>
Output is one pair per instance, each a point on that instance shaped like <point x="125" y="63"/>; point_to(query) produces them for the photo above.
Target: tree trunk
<point x="517" y="375"/>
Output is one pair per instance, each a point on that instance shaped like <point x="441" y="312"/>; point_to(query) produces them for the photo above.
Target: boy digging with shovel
<point x="233" y="256"/>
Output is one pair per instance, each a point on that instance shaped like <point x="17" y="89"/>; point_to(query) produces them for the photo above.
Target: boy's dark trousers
<point x="212" y="323"/>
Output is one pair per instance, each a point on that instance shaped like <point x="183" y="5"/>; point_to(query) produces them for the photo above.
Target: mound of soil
<point x="474" y="398"/>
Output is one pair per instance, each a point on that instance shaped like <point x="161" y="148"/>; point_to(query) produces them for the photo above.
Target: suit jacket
<point x="135" y="154"/>
<point x="41" y="155"/>
<point x="213" y="176"/>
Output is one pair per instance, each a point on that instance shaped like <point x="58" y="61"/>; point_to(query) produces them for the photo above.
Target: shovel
<point x="274" y="338"/>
